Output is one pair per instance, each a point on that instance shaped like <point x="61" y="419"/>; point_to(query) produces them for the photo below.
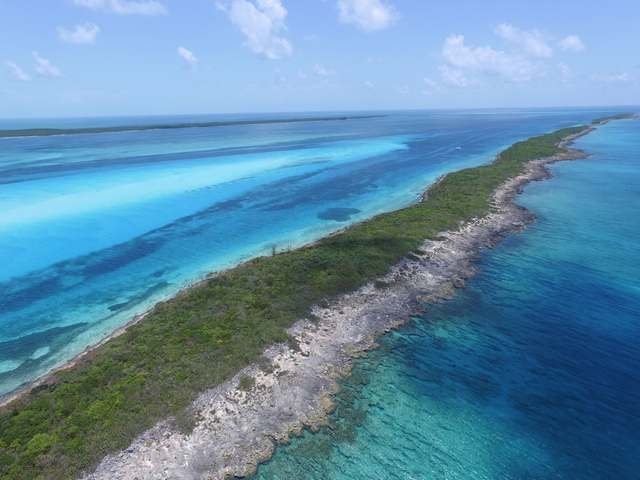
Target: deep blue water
<point x="95" y="228"/>
<point x="532" y="372"/>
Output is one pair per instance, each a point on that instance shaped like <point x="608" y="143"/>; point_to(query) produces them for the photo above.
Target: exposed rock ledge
<point x="236" y="429"/>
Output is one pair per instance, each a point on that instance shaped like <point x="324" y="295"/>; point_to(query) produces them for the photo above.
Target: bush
<point x="246" y="383"/>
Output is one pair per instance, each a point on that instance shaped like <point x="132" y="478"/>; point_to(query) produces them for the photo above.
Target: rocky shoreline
<point x="239" y="423"/>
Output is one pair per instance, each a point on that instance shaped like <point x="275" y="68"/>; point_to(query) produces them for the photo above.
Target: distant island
<point x="43" y="132"/>
<point x="619" y="116"/>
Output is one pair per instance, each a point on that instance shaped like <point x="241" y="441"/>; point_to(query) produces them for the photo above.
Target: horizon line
<point x="311" y="112"/>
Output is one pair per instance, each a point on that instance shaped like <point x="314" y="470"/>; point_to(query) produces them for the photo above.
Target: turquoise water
<point x="532" y="372"/>
<point x="96" y="228"/>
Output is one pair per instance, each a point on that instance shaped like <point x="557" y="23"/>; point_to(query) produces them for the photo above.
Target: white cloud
<point x="45" y="68"/>
<point x="462" y="58"/>
<point x="17" y="72"/>
<point x="571" y="43"/>
<point x="531" y="42"/>
<point x="188" y="56"/>
<point x="323" y="71"/>
<point x="262" y="23"/>
<point x="80" y="34"/>
<point x="125" y="7"/>
<point x="369" y="84"/>
<point x="368" y="15"/>
<point x="452" y="76"/>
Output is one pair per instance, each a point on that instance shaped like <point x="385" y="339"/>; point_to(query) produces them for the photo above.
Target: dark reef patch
<point x="338" y="214"/>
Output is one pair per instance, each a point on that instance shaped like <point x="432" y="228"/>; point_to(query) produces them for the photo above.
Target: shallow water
<point x="532" y="372"/>
<point x="95" y="228"/>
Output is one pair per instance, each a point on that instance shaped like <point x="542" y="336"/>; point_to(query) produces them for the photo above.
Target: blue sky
<point x="122" y="57"/>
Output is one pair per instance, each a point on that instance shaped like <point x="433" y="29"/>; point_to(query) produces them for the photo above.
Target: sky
<point x="68" y="58"/>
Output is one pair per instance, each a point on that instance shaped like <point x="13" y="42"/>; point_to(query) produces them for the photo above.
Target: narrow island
<point x="209" y="382"/>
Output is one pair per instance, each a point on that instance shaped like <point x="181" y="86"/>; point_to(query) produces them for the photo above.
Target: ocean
<point x="96" y="228"/>
<point x="531" y="372"/>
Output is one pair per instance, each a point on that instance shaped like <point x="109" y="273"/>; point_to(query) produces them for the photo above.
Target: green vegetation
<point x="45" y="132"/>
<point x="246" y="383"/>
<point x="204" y="336"/>
<point x="619" y="116"/>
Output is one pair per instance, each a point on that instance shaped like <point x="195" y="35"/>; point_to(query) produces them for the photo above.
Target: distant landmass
<point x="42" y="132"/>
